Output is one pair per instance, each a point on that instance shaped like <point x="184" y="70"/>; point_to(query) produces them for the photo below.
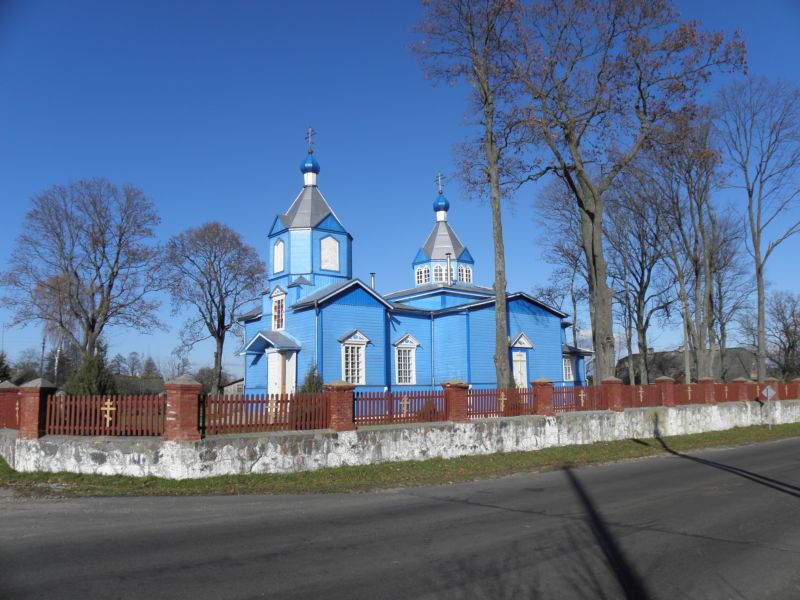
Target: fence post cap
<point x="184" y="379"/>
<point x="38" y="383"/>
<point x="7" y="385"/>
<point x="740" y="379"/>
<point x="771" y="379"/>
<point x="339" y="385"/>
<point x="455" y="383"/>
<point x="665" y="379"/>
<point x="796" y="380"/>
<point x="699" y="379"/>
<point x="612" y="380"/>
<point x="542" y="381"/>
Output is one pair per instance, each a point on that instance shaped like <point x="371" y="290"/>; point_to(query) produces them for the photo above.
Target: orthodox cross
<point x="17" y="411"/>
<point x="582" y="395"/>
<point x="439" y="178"/>
<point x="404" y="405"/>
<point x="309" y="140"/>
<point x="641" y="395"/>
<point x="502" y="401"/>
<point x="726" y="392"/>
<point x="689" y="391"/>
<point x="107" y="409"/>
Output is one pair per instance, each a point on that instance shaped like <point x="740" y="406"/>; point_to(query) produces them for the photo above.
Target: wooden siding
<point x="420" y="328"/>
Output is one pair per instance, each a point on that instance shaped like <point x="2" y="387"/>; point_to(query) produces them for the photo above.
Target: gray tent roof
<point x="441" y="241"/>
<point x="307" y="210"/>
<point x="426" y="287"/>
<point x="277" y="339"/>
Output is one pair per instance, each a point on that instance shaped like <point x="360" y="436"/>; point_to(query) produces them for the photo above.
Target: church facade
<point x="314" y="313"/>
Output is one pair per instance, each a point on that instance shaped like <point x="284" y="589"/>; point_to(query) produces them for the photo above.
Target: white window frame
<point x="356" y="342"/>
<point x="406" y="344"/>
<point x="438" y="274"/>
<point x="423" y="275"/>
<point x="467" y="274"/>
<point x="568" y="369"/>
<point x="278" y="252"/>
<point x="461" y="273"/>
<point x="329" y="253"/>
<point x="278" y="308"/>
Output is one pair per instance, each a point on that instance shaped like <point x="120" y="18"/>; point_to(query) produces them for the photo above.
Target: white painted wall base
<point x="291" y="452"/>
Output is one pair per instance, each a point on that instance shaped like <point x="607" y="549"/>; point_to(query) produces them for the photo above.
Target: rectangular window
<point x="277" y="312"/>
<point x="353" y="366"/>
<point x="568" y="374"/>
<point x="406" y="371"/>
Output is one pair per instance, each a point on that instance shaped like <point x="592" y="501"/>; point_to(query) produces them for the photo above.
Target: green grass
<point x="383" y="475"/>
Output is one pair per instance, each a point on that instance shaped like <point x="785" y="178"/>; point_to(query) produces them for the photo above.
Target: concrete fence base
<point x="290" y="452"/>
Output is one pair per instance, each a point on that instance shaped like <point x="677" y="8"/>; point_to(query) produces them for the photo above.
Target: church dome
<point x="441" y="203"/>
<point x="309" y="165"/>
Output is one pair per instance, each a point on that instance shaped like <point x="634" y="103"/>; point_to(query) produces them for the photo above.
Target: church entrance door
<point x="281" y="367"/>
<point x="520" y="360"/>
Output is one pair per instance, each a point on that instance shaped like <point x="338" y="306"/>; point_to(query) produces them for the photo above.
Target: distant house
<point x="738" y="362"/>
<point x="234" y="387"/>
<point x="127" y="384"/>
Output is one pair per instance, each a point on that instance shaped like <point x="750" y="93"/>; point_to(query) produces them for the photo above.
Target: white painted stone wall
<point x="306" y="451"/>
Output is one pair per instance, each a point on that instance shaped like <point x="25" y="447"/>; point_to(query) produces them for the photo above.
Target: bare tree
<point x="760" y="127"/>
<point x="211" y="269"/>
<point x="85" y="262"/>
<point x="783" y="334"/>
<point x="599" y="77"/>
<point x="635" y="225"/>
<point x="468" y="39"/>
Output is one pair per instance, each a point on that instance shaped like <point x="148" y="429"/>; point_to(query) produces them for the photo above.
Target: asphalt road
<point x="718" y="524"/>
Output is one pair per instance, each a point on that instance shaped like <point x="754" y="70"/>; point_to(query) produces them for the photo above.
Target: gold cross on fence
<point x="641" y="395"/>
<point x="726" y="392"/>
<point x="107" y="408"/>
<point x="17" y="411"/>
<point x="582" y="396"/>
<point x="689" y="391"/>
<point x="404" y="405"/>
<point x="501" y="400"/>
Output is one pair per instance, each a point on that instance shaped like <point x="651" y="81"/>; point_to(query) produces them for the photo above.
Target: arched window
<point x="461" y="275"/>
<point x="329" y="253"/>
<point x="277" y="257"/>
<point x="438" y="274"/>
<point x="423" y="275"/>
<point x="467" y="274"/>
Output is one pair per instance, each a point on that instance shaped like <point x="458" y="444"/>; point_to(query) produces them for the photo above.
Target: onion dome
<point x="441" y="203"/>
<point x="309" y="165"/>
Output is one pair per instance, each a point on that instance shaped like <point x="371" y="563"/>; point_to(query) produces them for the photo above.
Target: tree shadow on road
<point x="780" y="486"/>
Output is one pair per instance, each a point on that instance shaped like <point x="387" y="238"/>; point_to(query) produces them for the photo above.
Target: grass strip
<point x="382" y="475"/>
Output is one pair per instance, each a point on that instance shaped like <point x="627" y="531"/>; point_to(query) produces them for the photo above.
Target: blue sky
<point x="204" y="106"/>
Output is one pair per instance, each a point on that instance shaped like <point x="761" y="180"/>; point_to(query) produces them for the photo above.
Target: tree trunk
<point x="641" y="340"/>
<point x="216" y="385"/>
<point x="762" y="322"/>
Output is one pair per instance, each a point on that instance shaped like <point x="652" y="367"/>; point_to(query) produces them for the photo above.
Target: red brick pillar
<point x="455" y="401"/>
<point x="543" y="397"/>
<point x="612" y="393"/>
<point x="794" y="389"/>
<point x="9" y="405"/>
<point x="183" y="405"/>
<point x="775" y="385"/>
<point x="666" y="390"/>
<point x="33" y="408"/>
<point x="340" y="399"/>
<point x="705" y="386"/>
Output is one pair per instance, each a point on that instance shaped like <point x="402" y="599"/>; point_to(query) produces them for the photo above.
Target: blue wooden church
<point x="315" y="313"/>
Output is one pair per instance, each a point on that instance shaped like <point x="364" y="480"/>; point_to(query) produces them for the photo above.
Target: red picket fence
<point x="639" y="396"/>
<point x="239" y="413"/>
<point x="482" y="403"/>
<point x="569" y="398"/>
<point x="106" y="415"/>
<point x="385" y="408"/>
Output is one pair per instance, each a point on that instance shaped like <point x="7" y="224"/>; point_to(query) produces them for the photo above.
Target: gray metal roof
<point x="250" y="314"/>
<point x="307" y="210"/>
<point x="441" y="241"/>
<point x="463" y="287"/>
<point x="299" y="281"/>
<point x="567" y="349"/>
<point x="334" y="288"/>
<point x="279" y="340"/>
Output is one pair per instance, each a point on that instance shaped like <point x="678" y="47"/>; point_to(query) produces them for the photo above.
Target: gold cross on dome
<point x="404" y="405"/>
<point x="107" y="408"/>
